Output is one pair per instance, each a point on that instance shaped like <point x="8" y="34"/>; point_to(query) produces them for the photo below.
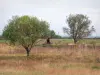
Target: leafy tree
<point x="52" y="34"/>
<point x="45" y="29"/>
<point x="48" y="34"/>
<point x="25" y="31"/>
<point x="58" y="36"/>
<point x="79" y="27"/>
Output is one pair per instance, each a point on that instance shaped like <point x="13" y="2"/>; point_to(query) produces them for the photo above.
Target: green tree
<point x="25" y="31"/>
<point x="54" y="35"/>
<point x="45" y="30"/>
<point x="79" y="27"/>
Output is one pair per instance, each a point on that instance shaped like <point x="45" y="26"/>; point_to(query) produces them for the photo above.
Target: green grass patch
<point x="95" y="67"/>
<point x="3" y="41"/>
<point x="65" y="41"/>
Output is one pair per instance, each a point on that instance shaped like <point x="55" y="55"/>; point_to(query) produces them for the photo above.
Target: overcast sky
<point x="53" y="11"/>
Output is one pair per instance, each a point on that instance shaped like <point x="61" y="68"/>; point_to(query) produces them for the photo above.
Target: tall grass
<point x="67" y="59"/>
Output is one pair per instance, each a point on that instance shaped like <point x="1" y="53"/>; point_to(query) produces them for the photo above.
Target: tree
<point x="25" y="31"/>
<point x="46" y="32"/>
<point x="79" y="27"/>
<point x="45" y="29"/>
<point x="52" y="34"/>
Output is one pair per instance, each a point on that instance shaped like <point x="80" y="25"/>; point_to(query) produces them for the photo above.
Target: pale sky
<point x="53" y="11"/>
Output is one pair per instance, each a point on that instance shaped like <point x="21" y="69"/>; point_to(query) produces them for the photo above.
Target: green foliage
<point x="54" y="35"/>
<point x="25" y="30"/>
<point x="45" y="29"/>
<point x="79" y="27"/>
<point x="50" y="33"/>
<point x="95" y="67"/>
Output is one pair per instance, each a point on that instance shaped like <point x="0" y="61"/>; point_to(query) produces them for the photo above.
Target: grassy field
<point x="66" y="41"/>
<point x="49" y="60"/>
<point x="2" y="41"/>
<point x="95" y="42"/>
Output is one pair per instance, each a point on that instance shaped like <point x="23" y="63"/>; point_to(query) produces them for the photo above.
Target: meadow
<point x="60" y="58"/>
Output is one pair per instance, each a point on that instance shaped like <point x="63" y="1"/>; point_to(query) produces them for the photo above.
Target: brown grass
<point x="49" y="61"/>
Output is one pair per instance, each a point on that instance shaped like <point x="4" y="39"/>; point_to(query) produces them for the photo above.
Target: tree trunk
<point x="75" y="41"/>
<point x="27" y="51"/>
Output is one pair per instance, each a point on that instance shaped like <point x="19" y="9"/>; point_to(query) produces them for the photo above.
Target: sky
<point x="52" y="11"/>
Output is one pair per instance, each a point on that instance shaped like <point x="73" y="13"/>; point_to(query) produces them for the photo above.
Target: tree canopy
<point x="25" y="31"/>
<point x="78" y="27"/>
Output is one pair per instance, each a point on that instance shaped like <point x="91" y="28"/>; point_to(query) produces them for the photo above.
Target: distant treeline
<point x="60" y="37"/>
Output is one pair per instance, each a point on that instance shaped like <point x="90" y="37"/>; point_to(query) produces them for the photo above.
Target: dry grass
<point x="49" y="61"/>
